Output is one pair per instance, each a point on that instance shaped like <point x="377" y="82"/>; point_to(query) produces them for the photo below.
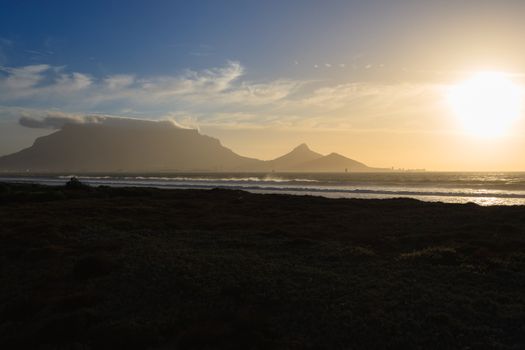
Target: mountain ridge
<point x="153" y="147"/>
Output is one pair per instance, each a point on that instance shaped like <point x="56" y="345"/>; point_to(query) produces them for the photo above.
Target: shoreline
<point x="273" y="184"/>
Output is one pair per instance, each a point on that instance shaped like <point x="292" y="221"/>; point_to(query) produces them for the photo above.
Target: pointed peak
<point x="299" y="154"/>
<point x="335" y="155"/>
<point x="302" y="147"/>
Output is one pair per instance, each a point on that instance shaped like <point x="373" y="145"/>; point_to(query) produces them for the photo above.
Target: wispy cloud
<point x="118" y="82"/>
<point x="219" y="97"/>
<point x="40" y="81"/>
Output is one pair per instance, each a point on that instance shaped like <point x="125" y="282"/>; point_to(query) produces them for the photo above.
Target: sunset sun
<point x="486" y="104"/>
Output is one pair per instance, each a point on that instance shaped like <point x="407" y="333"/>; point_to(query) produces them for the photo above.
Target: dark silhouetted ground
<point x="109" y="268"/>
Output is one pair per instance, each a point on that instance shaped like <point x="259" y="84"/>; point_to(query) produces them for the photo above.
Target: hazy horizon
<point x="401" y="84"/>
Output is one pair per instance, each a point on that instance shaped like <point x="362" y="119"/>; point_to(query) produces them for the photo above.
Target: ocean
<point x="450" y="187"/>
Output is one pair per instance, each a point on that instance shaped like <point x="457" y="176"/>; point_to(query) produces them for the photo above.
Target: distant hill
<point x="146" y="146"/>
<point x="299" y="155"/>
<point x="333" y="162"/>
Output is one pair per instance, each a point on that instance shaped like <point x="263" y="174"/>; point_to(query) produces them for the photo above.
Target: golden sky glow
<point x="410" y="84"/>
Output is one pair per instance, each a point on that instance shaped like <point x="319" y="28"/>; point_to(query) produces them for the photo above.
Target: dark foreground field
<point x="144" y="268"/>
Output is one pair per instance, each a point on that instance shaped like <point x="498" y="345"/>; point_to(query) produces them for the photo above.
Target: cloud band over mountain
<point x="57" y="120"/>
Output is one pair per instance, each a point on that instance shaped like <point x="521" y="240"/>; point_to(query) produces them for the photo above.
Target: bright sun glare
<point x="487" y="104"/>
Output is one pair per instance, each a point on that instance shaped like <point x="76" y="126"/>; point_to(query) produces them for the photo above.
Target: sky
<point x="367" y="79"/>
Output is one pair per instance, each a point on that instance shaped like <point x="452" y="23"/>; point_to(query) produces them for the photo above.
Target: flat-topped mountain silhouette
<point x="144" y="146"/>
<point x="106" y="148"/>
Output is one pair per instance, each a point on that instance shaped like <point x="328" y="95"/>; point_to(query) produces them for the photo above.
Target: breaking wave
<point x="480" y="188"/>
<point x="268" y="179"/>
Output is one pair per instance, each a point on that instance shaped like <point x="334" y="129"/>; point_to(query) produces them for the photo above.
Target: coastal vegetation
<point x="139" y="268"/>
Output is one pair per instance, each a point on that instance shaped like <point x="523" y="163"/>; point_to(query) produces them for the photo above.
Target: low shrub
<point x="75" y="183"/>
<point x="440" y="255"/>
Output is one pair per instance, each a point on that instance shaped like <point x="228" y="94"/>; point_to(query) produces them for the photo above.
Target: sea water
<point x="494" y="188"/>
